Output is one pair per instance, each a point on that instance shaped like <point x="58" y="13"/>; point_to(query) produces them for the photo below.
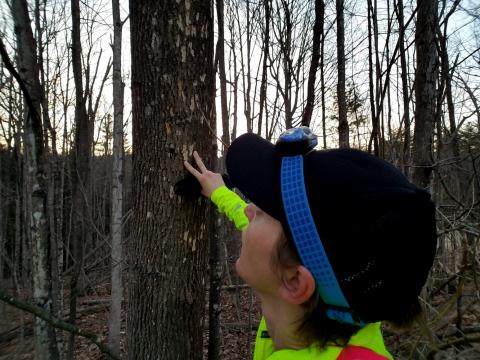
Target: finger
<point x="200" y="163"/>
<point x="192" y="170"/>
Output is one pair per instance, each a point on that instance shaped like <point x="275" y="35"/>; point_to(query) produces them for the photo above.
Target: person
<point x="333" y="243"/>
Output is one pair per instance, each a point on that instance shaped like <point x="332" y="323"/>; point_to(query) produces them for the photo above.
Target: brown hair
<point x="315" y="327"/>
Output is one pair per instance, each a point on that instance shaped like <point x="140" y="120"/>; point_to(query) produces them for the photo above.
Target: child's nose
<point x="250" y="212"/>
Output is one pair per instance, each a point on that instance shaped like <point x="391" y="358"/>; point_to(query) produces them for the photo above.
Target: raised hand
<point x="207" y="179"/>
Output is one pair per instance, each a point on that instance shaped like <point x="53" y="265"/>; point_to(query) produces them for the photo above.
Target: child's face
<point x="259" y="241"/>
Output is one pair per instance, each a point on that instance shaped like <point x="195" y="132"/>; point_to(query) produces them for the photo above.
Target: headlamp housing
<point x="296" y="141"/>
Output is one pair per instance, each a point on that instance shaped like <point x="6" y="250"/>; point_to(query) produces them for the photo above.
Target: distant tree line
<point x="80" y="206"/>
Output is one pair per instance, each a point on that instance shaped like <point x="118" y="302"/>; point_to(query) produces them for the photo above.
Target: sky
<point x="464" y="30"/>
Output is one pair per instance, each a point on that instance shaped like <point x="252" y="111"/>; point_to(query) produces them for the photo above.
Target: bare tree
<point x="220" y="59"/>
<point x="173" y="114"/>
<point x="263" y="84"/>
<point x="81" y="170"/>
<point x="45" y="339"/>
<point x="405" y="88"/>
<point x="425" y="90"/>
<point x="343" y="130"/>
<point x="116" y="232"/>
<point x="371" y="86"/>
<point x="317" y="37"/>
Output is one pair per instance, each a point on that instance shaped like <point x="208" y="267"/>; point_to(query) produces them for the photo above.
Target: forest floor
<point x="239" y="317"/>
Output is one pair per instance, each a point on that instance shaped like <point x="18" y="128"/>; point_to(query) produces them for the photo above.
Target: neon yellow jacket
<point x="369" y="337"/>
<point x="231" y="205"/>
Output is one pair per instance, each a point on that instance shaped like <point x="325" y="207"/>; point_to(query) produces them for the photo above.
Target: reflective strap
<point x="307" y="240"/>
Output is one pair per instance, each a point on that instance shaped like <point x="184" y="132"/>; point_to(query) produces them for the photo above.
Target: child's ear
<point x="297" y="285"/>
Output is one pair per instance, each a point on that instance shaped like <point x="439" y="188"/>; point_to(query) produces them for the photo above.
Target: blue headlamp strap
<point x="307" y="240"/>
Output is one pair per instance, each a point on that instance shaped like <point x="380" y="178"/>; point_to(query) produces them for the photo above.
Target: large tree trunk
<point x="343" y="131"/>
<point x="173" y="114"/>
<point x="116" y="296"/>
<point x="45" y="339"/>
<point x="425" y="90"/>
<point x="317" y="35"/>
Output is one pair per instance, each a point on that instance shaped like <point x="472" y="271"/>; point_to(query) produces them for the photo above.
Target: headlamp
<point x="292" y="145"/>
<point x="296" y="141"/>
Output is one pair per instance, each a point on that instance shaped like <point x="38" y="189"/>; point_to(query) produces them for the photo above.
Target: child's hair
<point x="315" y="327"/>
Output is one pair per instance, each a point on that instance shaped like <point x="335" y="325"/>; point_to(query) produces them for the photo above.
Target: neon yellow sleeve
<point x="231" y="205"/>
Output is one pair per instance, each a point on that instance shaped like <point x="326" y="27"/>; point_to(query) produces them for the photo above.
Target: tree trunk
<point x="405" y="90"/>
<point x="286" y="45"/>
<point x="374" y="136"/>
<point x="248" y="105"/>
<point x="81" y="171"/>
<point x="3" y="253"/>
<point x="220" y="54"/>
<point x="45" y="340"/>
<point x="215" y="262"/>
<point x="425" y="90"/>
<point x="322" y="88"/>
<point x="317" y="35"/>
<point x="173" y="111"/>
<point x="343" y="131"/>
<point x="446" y="74"/>
<point x="116" y="297"/>
<point x="263" y="84"/>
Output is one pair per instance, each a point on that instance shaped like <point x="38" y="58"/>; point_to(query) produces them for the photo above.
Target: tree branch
<point x="57" y="323"/>
<point x="457" y="342"/>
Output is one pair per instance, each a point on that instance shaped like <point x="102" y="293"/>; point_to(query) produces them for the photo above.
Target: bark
<point x="317" y="36"/>
<point x="51" y="165"/>
<point x="425" y="91"/>
<point x="248" y="106"/>
<point x="389" y="97"/>
<point x="446" y="77"/>
<point x="405" y="88"/>
<point x="374" y="136"/>
<point x="286" y="47"/>
<point x="322" y="88"/>
<point x="81" y="170"/>
<point x="379" y="86"/>
<point x="214" y="305"/>
<point x="263" y="84"/>
<point x="28" y="77"/>
<point x="214" y="340"/>
<point x="173" y="111"/>
<point x="343" y="130"/>
<point x="3" y="253"/>
<point x="234" y="82"/>
<point x="115" y="319"/>
<point x="220" y="53"/>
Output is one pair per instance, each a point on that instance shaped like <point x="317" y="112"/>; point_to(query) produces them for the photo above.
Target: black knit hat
<point x="377" y="228"/>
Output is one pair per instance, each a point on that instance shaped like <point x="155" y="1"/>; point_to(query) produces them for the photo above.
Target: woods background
<point x="93" y="239"/>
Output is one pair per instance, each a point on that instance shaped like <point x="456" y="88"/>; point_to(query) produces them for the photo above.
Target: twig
<point x="57" y="323"/>
<point x="457" y="342"/>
